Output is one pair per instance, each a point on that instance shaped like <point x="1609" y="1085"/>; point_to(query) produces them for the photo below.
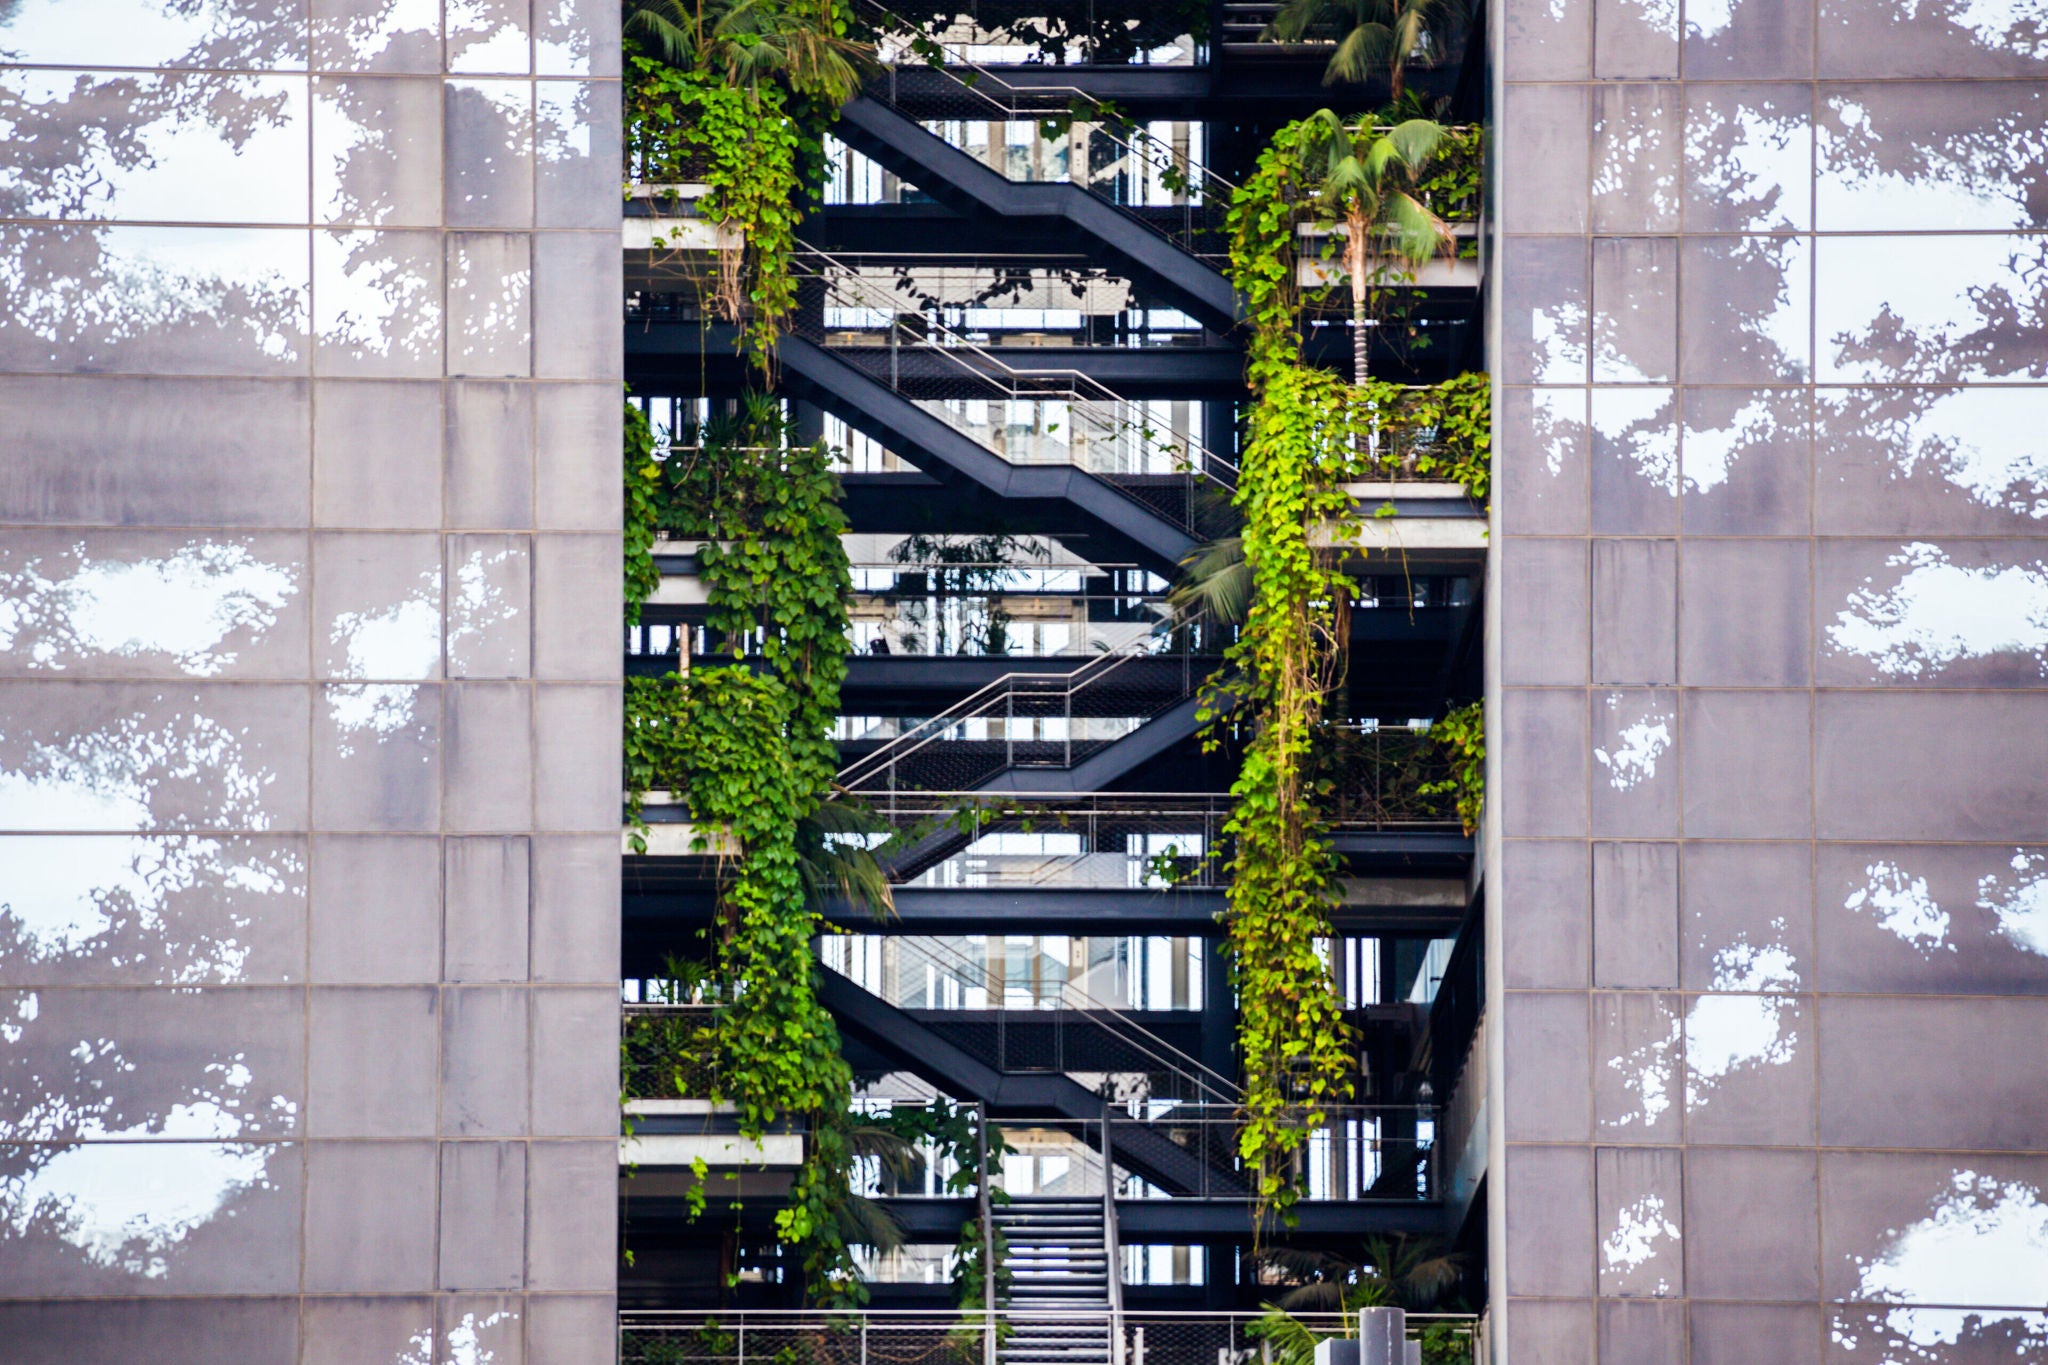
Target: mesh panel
<point x="1037" y="720"/>
<point x="1023" y="416"/>
<point x="957" y="1337"/>
<point x="661" y="1055"/>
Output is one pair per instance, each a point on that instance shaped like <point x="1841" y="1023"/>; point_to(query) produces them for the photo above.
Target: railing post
<point x="988" y="1240"/>
<point x="1112" y="1253"/>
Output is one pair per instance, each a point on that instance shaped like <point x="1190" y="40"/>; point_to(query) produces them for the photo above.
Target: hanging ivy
<point x="1309" y="431"/>
<point x="737" y="96"/>
<point x="774" y="565"/>
<point x="643" y="501"/>
<point x="1437" y="431"/>
<point x="1294" y="1044"/>
<point x="1462" y="734"/>
<point x="723" y="735"/>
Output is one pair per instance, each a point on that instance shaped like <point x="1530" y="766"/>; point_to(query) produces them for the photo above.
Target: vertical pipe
<point x="988" y="1239"/>
<point x="1112" y="1253"/>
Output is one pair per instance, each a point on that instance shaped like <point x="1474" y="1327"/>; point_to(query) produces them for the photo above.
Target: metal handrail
<point x="1004" y="687"/>
<point x="1016" y="383"/>
<point x="1112" y="1252"/>
<point x="986" y="79"/>
<point x="1120" y="1025"/>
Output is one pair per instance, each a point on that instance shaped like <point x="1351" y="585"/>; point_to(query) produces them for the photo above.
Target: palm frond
<point x="1416" y="140"/>
<point x="897" y="1154"/>
<point x="837" y="867"/>
<point x="1418" y="233"/>
<point x="864" y="1222"/>
<point x="1359" y="53"/>
<point x="1317" y="1296"/>
<point x="1217" y="583"/>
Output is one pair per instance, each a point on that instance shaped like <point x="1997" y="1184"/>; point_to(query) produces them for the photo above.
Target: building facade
<point x="309" y="536"/>
<point x="1722" y="1040"/>
<point x="1767" y="703"/>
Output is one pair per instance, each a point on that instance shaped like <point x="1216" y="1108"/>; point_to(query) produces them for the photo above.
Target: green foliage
<point x="1446" y="1343"/>
<point x="1309" y="433"/>
<point x="754" y="754"/>
<point x="1365" y="178"/>
<point x="800" y="45"/>
<point x="1406" y="1272"/>
<point x="1462" y="734"/>
<point x="739" y="96"/>
<point x="1294" y="1044"/>
<point x="952" y="1129"/>
<point x="1454" y="182"/>
<point x="1370" y="34"/>
<point x="773" y="565"/>
<point x="1441" y="431"/>
<point x="642" y="510"/>
<point x="723" y="735"/>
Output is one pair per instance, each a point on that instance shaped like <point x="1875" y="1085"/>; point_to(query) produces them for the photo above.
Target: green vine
<point x="1296" y="1048"/>
<point x="1454" y="183"/>
<point x="753" y="752"/>
<point x="1309" y="432"/>
<point x="1441" y="431"/>
<point x="953" y="1132"/>
<point x="723" y="736"/>
<point x="738" y="97"/>
<point x="642" y="512"/>
<point x="1462" y="733"/>
<point x="774" y="564"/>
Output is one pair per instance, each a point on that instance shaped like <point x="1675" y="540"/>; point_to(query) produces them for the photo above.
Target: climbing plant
<point x="953" y="1133"/>
<point x="1294" y="1044"/>
<point x="1462" y="734"/>
<point x="642" y="505"/>
<point x="737" y="95"/>
<point x="1308" y="432"/>
<point x="1436" y="431"/>
<point x="753" y="752"/>
<point x="723" y="735"/>
<point x="773" y="563"/>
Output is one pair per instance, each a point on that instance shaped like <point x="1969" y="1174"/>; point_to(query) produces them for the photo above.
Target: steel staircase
<point x="1033" y="728"/>
<point x="926" y="392"/>
<point x="1062" y="1297"/>
<point x="972" y="189"/>
<point x="820" y="376"/>
<point x="879" y="126"/>
<point x="911" y="1046"/>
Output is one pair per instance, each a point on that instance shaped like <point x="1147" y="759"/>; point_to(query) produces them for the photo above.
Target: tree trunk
<point x="1361" y="335"/>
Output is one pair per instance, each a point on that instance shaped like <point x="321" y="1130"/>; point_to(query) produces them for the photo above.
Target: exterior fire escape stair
<point x="1049" y="1096"/>
<point x="970" y="188"/>
<point x="1057" y="1253"/>
<point x="1154" y="737"/>
<point x="813" y="373"/>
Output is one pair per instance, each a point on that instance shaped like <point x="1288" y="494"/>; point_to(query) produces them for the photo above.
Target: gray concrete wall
<point x="309" y="547"/>
<point x="1770" y="710"/>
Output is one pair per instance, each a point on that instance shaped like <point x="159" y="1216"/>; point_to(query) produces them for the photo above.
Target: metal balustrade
<point x="1029" y="720"/>
<point x="1024" y="416"/>
<point x="1136" y="166"/>
<point x="959" y="1337"/>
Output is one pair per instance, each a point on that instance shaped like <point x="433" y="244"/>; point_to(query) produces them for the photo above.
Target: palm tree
<point x="835" y="854"/>
<point x="1406" y="1272"/>
<point x="1365" y="177"/>
<point x="1375" y="33"/>
<point x="751" y="42"/>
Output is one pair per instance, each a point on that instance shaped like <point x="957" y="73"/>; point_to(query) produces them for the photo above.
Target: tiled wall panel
<point x="308" y="521"/>
<point x="1770" y="680"/>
